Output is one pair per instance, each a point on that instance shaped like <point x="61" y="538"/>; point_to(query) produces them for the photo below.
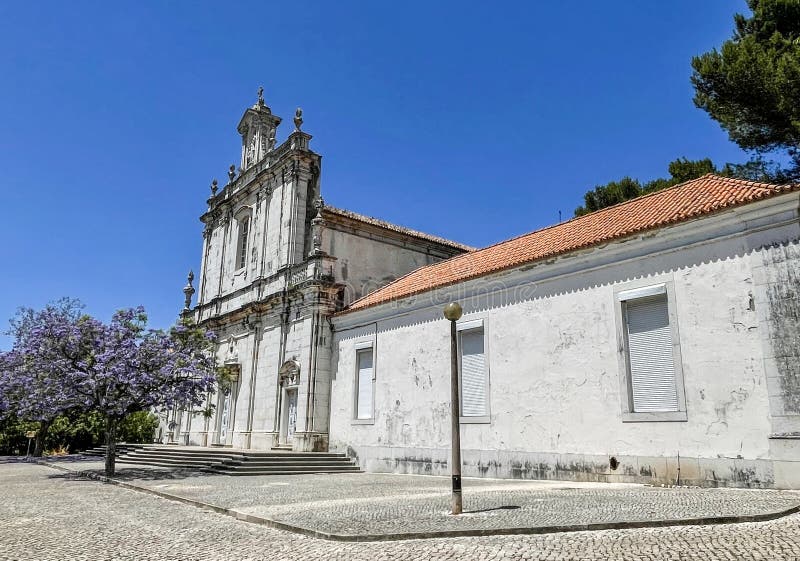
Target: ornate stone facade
<point x="276" y="264"/>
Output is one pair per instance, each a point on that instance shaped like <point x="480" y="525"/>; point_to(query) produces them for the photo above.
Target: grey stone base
<point x="310" y="442"/>
<point x="702" y="472"/>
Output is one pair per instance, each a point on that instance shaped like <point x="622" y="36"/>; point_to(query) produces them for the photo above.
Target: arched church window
<point x="241" y="244"/>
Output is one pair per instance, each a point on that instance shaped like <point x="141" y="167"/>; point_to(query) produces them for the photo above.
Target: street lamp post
<point x="453" y="313"/>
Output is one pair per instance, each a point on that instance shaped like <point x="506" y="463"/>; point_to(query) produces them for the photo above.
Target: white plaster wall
<point x="554" y="373"/>
<point x="365" y="264"/>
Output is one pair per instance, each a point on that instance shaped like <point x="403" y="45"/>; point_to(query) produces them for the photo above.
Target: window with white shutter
<point x="474" y="375"/>
<point x="364" y="383"/>
<point x="653" y="373"/>
<point x="652" y="368"/>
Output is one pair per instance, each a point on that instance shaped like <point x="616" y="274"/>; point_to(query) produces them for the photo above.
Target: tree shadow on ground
<point x="15" y="459"/>
<point x="72" y="458"/>
<point x="133" y="474"/>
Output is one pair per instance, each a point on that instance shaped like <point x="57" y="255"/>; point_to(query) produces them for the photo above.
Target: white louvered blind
<point x="364" y="397"/>
<point x="650" y="355"/>
<point x="473" y="374"/>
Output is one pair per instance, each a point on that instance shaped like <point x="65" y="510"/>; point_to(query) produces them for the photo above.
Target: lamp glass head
<point x="452" y="311"/>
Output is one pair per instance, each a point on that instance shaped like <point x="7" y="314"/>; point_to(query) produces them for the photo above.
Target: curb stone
<point x="534" y="530"/>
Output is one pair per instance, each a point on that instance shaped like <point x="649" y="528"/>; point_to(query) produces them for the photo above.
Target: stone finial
<point x="298" y="119"/>
<point x="214" y="187"/>
<point x="231" y="172"/>
<point x="188" y="292"/>
<point x="261" y="95"/>
<point x="316" y="229"/>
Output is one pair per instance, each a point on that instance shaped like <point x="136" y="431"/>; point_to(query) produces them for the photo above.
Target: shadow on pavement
<point x="504" y="507"/>
<point x="132" y="474"/>
<point x="15" y="459"/>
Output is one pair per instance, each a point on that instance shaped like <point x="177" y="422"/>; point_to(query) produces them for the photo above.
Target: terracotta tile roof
<point x="699" y="197"/>
<point x="394" y="227"/>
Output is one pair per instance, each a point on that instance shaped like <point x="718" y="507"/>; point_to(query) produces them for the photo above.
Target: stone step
<point x="168" y="459"/>
<point x="121" y="449"/>
<point x="177" y="451"/>
<point x="168" y="463"/>
<point x="299" y="462"/>
<point x="299" y="468"/>
<point x="234" y="453"/>
<point x="254" y="473"/>
<point x="156" y="456"/>
<point x="270" y="461"/>
<point x="234" y="461"/>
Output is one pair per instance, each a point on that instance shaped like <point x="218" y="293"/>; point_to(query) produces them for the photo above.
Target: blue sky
<point x="474" y="121"/>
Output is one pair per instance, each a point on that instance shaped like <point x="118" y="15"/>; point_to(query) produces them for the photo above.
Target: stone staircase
<point x="234" y="462"/>
<point x="122" y="448"/>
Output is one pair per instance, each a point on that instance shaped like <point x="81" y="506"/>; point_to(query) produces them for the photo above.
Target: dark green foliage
<point x="751" y="86"/>
<point x="680" y="170"/>
<point x="75" y="432"/>
<point x="758" y="169"/>
<point x="12" y="435"/>
<point x="139" y="427"/>
<point x="609" y="194"/>
<point x="683" y="169"/>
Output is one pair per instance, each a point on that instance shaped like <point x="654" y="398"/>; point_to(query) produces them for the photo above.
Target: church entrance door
<point x="224" y="417"/>
<point x="290" y="415"/>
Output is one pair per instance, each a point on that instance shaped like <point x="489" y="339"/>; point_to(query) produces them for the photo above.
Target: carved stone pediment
<point x="231" y="354"/>
<point x="289" y="373"/>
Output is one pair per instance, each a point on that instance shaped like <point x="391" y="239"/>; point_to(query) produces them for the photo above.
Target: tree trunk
<point x="111" y="445"/>
<point x="41" y="434"/>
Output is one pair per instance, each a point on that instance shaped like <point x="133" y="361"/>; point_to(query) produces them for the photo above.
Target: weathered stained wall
<point x="778" y="291"/>
<point x="555" y="392"/>
<point x="776" y="272"/>
<point x="365" y="264"/>
<point x="278" y="223"/>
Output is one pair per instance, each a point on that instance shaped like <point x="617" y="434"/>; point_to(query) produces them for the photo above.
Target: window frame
<point x="474" y="325"/>
<point x="359" y="348"/>
<point x="632" y="292"/>
<point x="242" y="241"/>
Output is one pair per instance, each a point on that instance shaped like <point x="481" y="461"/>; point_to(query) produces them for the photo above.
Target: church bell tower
<point x="257" y="127"/>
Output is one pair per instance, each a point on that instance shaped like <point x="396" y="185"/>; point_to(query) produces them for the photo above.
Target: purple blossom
<point x="65" y="361"/>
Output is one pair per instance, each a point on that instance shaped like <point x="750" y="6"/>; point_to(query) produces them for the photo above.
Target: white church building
<point x="653" y="341"/>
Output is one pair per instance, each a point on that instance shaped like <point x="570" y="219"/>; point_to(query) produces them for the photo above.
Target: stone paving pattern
<point x="387" y="504"/>
<point x="49" y="515"/>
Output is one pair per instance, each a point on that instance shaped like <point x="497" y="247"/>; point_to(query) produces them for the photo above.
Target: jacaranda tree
<point x="123" y="367"/>
<point x="113" y="369"/>
<point x="31" y="379"/>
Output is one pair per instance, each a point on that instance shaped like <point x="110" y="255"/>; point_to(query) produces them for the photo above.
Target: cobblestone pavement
<point x="50" y="515"/>
<point x="386" y="505"/>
